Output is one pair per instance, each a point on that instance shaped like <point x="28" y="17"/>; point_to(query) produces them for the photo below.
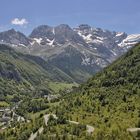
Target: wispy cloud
<point x="20" y="22"/>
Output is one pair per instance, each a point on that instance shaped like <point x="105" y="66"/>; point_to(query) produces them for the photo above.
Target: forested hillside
<point x="110" y="101"/>
<point x="103" y="108"/>
<point x="26" y="75"/>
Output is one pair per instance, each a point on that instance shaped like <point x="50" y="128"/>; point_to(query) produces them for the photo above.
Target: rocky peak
<point x="14" y="37"/>
<point x="64" y="33"/>
<point x="84" y="27"/>
<point x="12" y="31"/>
<point x="43" y="31"/>
<point x="63" y="27"/>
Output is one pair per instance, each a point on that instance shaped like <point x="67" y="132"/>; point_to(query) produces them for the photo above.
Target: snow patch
<point x="53" y="31"/>
<point x="113" y="52"/>
<point x="85" y="60"/>
<point x="50" y="42"/>
<point x="119" y="34"/>
<point x="130" y="40"/>
<point x="133" y="37"/>
<point x="38" y="40"/>
<point x="97" y="41"/>
<point x="32" y="43"/>
<point x="100" y="38"/>
<point x="22" y="45"/>
<point x="87" y="38"/>
<point x="13" y="45"/>
<point x="95" y="48"/>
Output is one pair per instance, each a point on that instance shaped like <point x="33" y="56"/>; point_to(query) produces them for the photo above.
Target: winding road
<point x="34" y="135"/>
<point x="90" y="129"/>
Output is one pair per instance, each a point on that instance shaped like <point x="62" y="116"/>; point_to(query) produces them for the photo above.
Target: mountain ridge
<point x="23" y="76"/>
<point x="96" y="47"/>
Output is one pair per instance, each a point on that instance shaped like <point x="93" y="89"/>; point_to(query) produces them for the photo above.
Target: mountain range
<point x="78" y="52"/>
<point x="35" y="71"/>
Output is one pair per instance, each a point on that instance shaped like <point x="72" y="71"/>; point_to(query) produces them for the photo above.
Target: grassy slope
<point x="23" y="74"/>
<point x="14" y="66"/>
<point x="18" y="76"/>
<point x="110" y="100"/>
<point x="57" y="86"/>
<point x="69" y="62"/>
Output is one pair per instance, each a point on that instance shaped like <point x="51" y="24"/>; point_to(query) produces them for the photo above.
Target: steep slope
<point x="53" y="36"/>
<point x="110" y="100"/>
<point x="104" y="41"/>
<point x="75" y="62"/>
<point x="93" y="48"/>
<point x="14" y="38"/>
<point x="83" y="51"/>
<point x="19" y="68"/>
<point x="122" y="72"/>
<point x="79" y="52"/>
<point x="22" y="74"/>
<point x="18" y="74"/>
<point x="101" y="109"/>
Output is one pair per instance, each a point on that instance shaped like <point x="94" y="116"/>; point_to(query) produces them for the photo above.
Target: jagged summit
<point x="84" y="26"/>
<point x="14" y="37"/>
<point x="76" y="51"/>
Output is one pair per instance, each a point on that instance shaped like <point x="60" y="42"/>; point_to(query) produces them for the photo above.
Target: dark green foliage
<point x="61" y="120"/>
<point x="126" y="70"/>
<point x="32" y="105"/>
<point x="22" y="131"/>
<point x="22" y="75"/>
<point x="18" y="75"/>
<point x="110" y="101"/>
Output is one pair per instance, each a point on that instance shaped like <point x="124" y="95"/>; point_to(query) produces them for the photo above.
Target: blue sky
<point x="115" y="15"/>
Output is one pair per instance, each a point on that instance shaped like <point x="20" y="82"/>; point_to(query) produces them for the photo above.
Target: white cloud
<point x="21" y="22"/>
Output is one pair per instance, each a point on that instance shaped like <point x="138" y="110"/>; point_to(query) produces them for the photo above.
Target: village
<point x="8" y="115"/>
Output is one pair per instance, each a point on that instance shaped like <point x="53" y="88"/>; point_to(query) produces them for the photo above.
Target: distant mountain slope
<point x="93" y="48"/>
<point x="110" y="100"/>
<point x="22" y="74"/>
<point x="70" y="60"/>
<point x="122" y="72"/>
<point x="14" y="37"/>
<point x="16" y="66"/>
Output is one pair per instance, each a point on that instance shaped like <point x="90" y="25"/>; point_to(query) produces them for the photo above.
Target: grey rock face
<point x="80" y="51"/>
<point x="63" y="34"/>
<point x="14" y="37"/>
<point x="43" y="31"/>
<point x="59" y="35"/>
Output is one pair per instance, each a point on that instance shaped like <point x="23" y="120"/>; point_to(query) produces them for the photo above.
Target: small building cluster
<point x="7" y="116"/>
